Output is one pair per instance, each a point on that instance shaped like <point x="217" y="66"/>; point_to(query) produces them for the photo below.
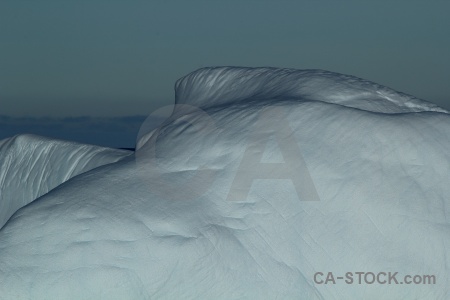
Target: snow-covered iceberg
<point x="261" y="184"/>
<point x="32" y="165"/>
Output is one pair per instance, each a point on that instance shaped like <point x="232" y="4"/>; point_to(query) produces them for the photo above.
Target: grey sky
<point x="114" y="58"/>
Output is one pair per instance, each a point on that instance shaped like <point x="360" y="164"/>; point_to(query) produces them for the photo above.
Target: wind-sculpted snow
<point x="30" y="166"/>
<point x="230" y="85"/>
<point x="334" y="187"/>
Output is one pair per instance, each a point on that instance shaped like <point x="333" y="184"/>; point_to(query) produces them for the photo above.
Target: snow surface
<point x="32" y="165"/>
<point x="167" y="222"/>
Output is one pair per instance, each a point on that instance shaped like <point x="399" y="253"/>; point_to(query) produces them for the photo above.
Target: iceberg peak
<point x="218" y="86"/>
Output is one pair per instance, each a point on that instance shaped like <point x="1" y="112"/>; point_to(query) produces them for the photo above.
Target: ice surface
<point x="32" y="165"/>
<point x="230" y="85"/>
<point x="167" y="222"/>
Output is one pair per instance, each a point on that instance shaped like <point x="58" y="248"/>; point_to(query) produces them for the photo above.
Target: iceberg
<point x="32" y="165"/>
<point x="263" y="183"/>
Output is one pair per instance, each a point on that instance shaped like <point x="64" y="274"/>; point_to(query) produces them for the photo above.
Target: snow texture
<point x="169" y="223"/>
<point x="31" y="166"/>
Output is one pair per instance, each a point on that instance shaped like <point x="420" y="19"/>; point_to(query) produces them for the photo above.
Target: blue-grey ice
<point x="261" y="178"/>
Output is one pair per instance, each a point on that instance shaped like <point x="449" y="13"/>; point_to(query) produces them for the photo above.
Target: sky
<point x="108" y="59"/>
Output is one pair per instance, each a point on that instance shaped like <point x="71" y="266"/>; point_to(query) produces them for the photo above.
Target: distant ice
<point x="32" y="165"/>
<point x="168" y="222"/>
